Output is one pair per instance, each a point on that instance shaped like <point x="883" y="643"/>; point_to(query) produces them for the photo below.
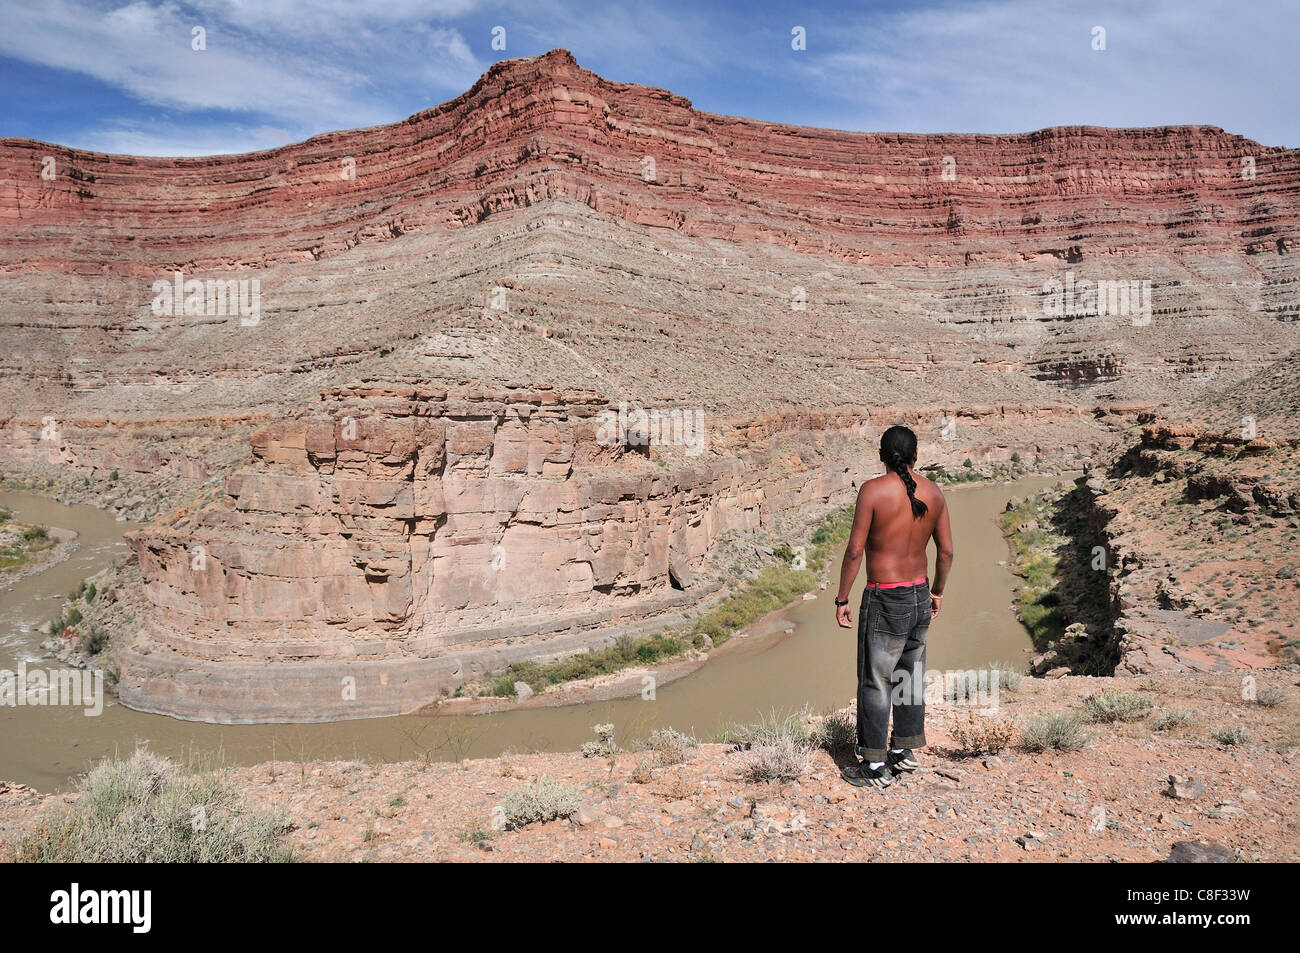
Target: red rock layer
<point x="535" y="129"/>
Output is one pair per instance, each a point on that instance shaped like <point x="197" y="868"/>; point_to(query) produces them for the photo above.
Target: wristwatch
<point x="839" y="602"/>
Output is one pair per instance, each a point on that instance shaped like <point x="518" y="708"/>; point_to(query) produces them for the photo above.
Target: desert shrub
<point x="643" y="773"/>
<point x="1174" y="718"/>
<point x="1061" y="731"/>
<point x="93" y="640"/>
<point x="603" y="745"/>
<point x="144" y="809"/>
<point x="1270" y="696"/>
<point x="1231" y="736"/>
<point x="1111" y="706"/>
<point x="778" y="759"/>
<point x="544" y="800"/>
<point x="836" y="732"/>
<point x="795" y="725"/>
<point x="977" y="736"/>
<point x="670" y="746"/>
<point x="776" y="748"/>
<point x="35" y="534"/>
<point x="476" y="834"/>
<point x="784" y="553"/>
<point x="73" y="617"/>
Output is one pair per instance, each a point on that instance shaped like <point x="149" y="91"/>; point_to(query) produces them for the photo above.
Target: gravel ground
<point x="1109" y="801"/>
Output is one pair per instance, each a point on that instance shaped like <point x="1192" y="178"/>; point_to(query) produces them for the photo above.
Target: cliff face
<point x="656" y="228"/>
<point x="462" y="293"/>
<point x="409" y="538"/>
<point x="544" y="128"/>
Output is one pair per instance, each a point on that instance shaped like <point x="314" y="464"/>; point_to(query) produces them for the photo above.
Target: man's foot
<point x="862" y="776"/>
<point x="903" y="760"/>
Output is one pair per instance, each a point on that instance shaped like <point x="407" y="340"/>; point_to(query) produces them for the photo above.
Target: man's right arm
<point x="853" y="551"/>
<point x="942" y="556"/>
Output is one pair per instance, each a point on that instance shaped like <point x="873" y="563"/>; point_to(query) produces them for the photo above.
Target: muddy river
<point x="779" y="671"/>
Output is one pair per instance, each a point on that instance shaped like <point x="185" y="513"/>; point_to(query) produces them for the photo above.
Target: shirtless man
<point x="896" y="517"/>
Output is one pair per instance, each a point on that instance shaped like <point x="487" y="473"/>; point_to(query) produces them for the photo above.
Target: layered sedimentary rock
<point x="619" y="218"/>
<point x="380" y="553"/>
<point x="556" y="244"/>
<point x="406" y="538"/>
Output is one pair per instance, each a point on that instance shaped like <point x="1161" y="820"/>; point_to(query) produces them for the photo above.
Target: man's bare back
<point x="894" y="539"/>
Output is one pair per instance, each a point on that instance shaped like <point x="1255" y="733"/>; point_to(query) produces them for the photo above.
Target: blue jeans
<point x="892" y="625"/>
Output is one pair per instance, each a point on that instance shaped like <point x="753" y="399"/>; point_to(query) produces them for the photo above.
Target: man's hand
<point x="935" y="603"/>
<point x="844" y="616"/>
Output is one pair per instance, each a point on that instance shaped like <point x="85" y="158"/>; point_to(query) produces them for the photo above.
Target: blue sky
<point x="119" y="76"/>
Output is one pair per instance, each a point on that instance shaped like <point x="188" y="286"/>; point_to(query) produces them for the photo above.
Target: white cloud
<point x="164" y="139"/>
<point x="1002" y="66"/>
<point x="329" y="16"/>
<point x="307" y="67"/>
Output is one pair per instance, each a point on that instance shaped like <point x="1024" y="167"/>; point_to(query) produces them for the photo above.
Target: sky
<point x="126" y="77"/>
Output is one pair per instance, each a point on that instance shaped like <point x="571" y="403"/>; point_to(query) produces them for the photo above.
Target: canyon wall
<point x="408" y="538"/>
<point x="445" y="306"/>
<point x="590" y="201"/>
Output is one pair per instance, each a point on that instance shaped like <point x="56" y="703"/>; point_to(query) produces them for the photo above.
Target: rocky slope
<point x="1200" y="516"/>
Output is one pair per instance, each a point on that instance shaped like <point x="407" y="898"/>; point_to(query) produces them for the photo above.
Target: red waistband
<point x="896" y="585"/>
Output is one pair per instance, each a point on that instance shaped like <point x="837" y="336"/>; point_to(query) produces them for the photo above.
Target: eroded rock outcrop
<point x="407" y="534"/>
<point x="1201" y="518"/>
<point x="405" y="538"/>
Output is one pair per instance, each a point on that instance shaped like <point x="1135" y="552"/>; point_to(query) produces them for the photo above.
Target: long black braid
<point x="897" y="451"/>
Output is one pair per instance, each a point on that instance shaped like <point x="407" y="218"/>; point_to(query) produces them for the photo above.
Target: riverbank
<point x="29" y="548"/>
<point x="1112" y="800"/>
<point x="1062" y="598"/>
<point x="767" y="577"/>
